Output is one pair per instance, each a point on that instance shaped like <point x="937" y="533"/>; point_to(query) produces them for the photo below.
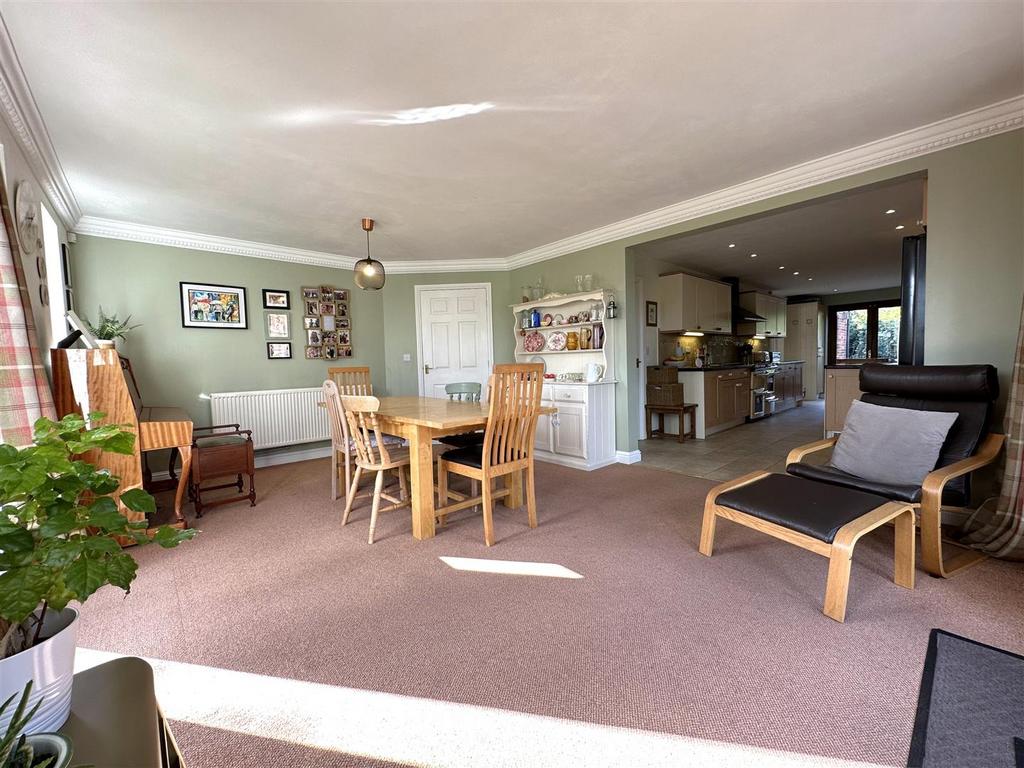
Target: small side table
<point x="686" y="409"/>
<point x="217" y="452"/>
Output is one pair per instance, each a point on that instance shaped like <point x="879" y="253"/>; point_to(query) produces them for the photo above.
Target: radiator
<point x="275" y="416"/>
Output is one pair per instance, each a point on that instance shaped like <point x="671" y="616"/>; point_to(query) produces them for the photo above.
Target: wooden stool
<point x="679" y="410"/>
<point x="226" y="451"/>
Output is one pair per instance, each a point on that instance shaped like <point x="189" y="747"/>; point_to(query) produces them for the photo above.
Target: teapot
<point x="595" y="372"/>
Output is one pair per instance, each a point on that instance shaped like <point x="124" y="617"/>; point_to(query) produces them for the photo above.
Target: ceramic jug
<point x="594" y="372"/>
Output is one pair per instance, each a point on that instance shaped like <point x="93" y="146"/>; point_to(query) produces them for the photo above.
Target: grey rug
<point x="970" y="711"/>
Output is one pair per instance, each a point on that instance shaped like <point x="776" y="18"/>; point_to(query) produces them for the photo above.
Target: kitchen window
<point x="862" y="332"/>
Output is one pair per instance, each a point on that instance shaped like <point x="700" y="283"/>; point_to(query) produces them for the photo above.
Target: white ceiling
<point x="243" y="120"/>
<point x="842" y="243"/>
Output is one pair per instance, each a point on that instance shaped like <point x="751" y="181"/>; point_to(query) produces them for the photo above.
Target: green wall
<point x="176" y="365"/>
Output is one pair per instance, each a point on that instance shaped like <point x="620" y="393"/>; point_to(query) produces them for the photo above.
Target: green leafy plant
<point x="60" y="527"/>
<point x="111" y="327"/>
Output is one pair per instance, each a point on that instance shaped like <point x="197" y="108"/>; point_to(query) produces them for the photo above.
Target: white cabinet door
<point x="780" y="316"/>
<point x="543" y="438"/>
<point x="670" y="303"/>
<point x="723" y="307"/>
<point x="571" y="432"/>
<point x="690" y="286"/>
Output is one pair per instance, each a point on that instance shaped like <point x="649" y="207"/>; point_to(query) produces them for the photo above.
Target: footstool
<point x="826" y="519"/>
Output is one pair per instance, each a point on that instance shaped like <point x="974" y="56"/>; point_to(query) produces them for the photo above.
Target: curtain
<point x="24" y="391"/>
<point x="998" y="527"/>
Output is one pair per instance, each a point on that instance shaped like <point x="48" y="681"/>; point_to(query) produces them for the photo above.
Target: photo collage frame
<point x="326" y="323"/>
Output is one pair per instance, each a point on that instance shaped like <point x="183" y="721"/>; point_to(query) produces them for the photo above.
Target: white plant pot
<point x="106" y="343"/>
<point x="51" y="667"/>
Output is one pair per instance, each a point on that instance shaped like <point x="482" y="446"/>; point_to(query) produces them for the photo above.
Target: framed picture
<point x="314" y="353"/>
<point x="277" y="325"/>
<point x="314" y="337"/>
<point x="652" y="313"/>
<point x="329" y="337"/>
<point x="342" y="310"/>
<point x="344" y="351"/>
<point x="345" y="338"/>
<point x="341" y="294"/>
<point x="343" y="323"/>
<point x="326" y="307"/>
<point x="330" y="352"/>
<point x="311" y="294"/>
<point x="312" y="307"/>
<point x="279" y="350"/>
<point x="273" y="299"/>
<point x="212" y="306"/>
<point x="311" y="322"/>
<point x="327" y="323"/>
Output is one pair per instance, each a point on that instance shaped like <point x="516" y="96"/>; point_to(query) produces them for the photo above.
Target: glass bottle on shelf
<point x="588" y="282"/>
<point x="579" y="283"/>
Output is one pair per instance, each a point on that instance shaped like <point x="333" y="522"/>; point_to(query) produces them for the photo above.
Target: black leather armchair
<point x="968" y="390"/>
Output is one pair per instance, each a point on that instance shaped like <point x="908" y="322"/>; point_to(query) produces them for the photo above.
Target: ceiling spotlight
<point x="891" y="210"/>
<point x="781" y="267"/>
<point x="899" y="226"/>
<point x="753" y="255"/>
<point x="809" y="279"/>
<point x="835" y="290"/>
<point x="732" y="245"/>
<point x="796" y="273"/>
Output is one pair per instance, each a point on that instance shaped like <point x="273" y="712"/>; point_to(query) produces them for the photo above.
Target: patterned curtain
<point x="998" y="528"/>
<point x="24" y="392"/>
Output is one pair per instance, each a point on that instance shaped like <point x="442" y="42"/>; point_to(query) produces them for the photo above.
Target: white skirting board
<point x="627" y="457"/>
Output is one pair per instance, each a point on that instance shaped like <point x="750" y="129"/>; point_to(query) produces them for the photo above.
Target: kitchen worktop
<point x="723" y="367"/>
<point x="847" y="366"/>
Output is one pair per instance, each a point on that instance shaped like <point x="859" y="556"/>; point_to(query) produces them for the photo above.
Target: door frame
<point x="641" y="355"/>
<point x="418" y="291"/>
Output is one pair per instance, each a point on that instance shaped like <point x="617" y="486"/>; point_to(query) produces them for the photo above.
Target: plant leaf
<point x="121" y="570"/>
<point x="168" y="537"/>
<point x="85" y="575"/>
<point x="21" y="590"/>
<point x="138" y="500"/>
<point x="58" y="523"/>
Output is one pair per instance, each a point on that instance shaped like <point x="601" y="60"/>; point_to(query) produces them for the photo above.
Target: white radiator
<point x="275" y="416"/>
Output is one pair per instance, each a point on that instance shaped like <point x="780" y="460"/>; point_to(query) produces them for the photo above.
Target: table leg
<point x="421" y="472"/>
<point x="514" y="483"/>
<point x="186" y="464"/>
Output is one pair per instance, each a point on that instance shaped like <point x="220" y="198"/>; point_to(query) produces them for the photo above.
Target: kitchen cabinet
<point x="771" y="308"/>
<point x="690" y="303"/>
<point x="582" y="432"/>
<point x="842" y="387"/>
<point x="806" y="341"/>
<point x="726" y="396"/>
<point x="789" y="388"/>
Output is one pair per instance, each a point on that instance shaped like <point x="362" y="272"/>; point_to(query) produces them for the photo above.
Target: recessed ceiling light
<point x="810" y="278"/>
<point x="796" y="273"/>
<point x="753" y="255"/>
<point x="891" y="210"/>
<point x="900" y="226"/>
<point x="781" y="267"/>
<point x="732" y="245"/>
<point x="835" y="290"/>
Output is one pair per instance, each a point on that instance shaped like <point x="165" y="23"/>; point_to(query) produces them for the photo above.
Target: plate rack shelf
<point x="563" y="360"/>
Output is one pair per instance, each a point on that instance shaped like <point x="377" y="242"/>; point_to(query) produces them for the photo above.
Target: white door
<point x="454" y="326"/>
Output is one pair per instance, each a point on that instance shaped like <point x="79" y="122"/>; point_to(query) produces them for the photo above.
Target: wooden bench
<point x="681" y="411"/>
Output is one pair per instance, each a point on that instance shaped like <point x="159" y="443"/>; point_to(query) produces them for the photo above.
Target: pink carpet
<point x="654" y="636"/>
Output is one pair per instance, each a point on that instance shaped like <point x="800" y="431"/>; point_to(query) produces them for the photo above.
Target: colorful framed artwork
<point x="652" y="314"/>
<point x="204" y="305"/>
<point x="277" y="325"/>
<point x="274" y="299"/>
<point x="279" y="350"/>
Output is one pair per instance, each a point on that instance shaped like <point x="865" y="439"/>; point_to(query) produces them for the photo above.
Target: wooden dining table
<point x="420" y="420"/>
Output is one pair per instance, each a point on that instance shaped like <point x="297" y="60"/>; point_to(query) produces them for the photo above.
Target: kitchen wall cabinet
<point x="842" y="387"/>
<point x="582" y="432"/>
<point x="771" y="308"/>
<point x="690" y="303"/>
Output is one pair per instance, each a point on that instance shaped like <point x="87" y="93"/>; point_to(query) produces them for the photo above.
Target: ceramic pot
<point x="105" y="343"/>
<point x="51" y="665"/>
<point x="52" y="745"/>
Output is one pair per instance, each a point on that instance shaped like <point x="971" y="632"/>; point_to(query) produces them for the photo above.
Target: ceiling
<point x="263" y="122"/>
<point x="838" y="244"/>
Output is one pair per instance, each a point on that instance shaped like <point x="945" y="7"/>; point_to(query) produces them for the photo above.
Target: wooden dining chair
<point x="372" y="454"/>
<point x="463" y="391"/>
<point x="351" y="379"/>
<point x="507" y="448"/>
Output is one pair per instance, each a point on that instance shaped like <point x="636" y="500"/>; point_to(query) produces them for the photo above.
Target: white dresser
<point x="582" y="433"/>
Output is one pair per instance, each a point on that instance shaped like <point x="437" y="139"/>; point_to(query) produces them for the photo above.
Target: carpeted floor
<point x="653" y="637"/>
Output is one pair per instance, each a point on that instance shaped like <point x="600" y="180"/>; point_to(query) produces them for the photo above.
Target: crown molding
<point x="980" y="123"/>
<point x="22" y="116"/>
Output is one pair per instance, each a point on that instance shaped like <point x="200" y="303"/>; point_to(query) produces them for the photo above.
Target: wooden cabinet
<point x="690" y="303"/>
<point x="806" y="341"/>
<point x="726" y="396"/>
<point x="842" y="387"/>
<point x="789" y="388"/>
<point x="771" y="308"/>
<point x="582" y="432"/>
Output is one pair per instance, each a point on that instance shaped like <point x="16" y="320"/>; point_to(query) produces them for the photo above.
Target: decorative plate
<point x="559" y="320"/>
<point x="547" y="320"/>
<point x="556" y="341"/>
<point x="534" y="342"/>
<point x="542" y="361"/>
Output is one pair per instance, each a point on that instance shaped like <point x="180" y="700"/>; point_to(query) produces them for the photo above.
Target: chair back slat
<point x="361" y="412"/>
<point x="351" y="379"/>
<point x="335" y="416"/>
<point x="468" y="391"/>
<point x="513" y="408"/>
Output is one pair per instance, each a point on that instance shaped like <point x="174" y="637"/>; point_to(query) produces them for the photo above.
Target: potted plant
<point x="20" y="750"/>
<point x="111" y="328"/>
<point x="61" y="531"/>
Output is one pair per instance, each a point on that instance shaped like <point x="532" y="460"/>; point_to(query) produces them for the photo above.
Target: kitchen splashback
<point x="722" y="349"/>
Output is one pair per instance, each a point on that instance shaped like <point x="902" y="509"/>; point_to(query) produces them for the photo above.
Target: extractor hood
<point x="741" y="315"/>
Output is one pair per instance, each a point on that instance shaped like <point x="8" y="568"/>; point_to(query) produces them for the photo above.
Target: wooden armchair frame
<point x="930" y="507"/>
<point x="839" y="552"/>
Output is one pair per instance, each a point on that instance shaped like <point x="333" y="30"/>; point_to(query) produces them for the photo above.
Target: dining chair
<point x="372" y="454"/>
<point x="507" y="448"/>
<point x="464" y="391"/>
<point x="351" y="379"/>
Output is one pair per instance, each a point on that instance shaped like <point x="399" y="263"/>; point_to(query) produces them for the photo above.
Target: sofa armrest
<point x="935" y="481"/>
<point x="797" y="454"/>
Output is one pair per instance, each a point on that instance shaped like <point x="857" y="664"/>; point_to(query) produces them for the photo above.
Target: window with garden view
<point x="869" y="331"/>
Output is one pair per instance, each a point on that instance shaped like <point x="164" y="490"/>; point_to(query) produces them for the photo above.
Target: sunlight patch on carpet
<point x="512" y="567"/>
<point x="426" y="732"/>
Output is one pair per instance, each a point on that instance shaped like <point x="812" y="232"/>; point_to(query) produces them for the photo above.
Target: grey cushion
<point x="891" y="445"/>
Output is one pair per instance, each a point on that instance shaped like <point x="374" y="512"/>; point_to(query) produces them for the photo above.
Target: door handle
<point x="426" y="368"/>
<point x="638" y="362"/>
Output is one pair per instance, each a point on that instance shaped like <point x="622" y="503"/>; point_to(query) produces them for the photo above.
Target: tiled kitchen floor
<point x="762" y="444"/>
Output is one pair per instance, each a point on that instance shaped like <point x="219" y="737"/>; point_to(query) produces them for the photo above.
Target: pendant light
<point x="369" y="273"/>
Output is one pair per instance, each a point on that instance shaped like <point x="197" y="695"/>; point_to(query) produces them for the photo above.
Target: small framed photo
<point x="311" y="294"/>
<point x="277" y="325"/>
<point x="341" y="294"/>
<point x="344" y="351"/>
<point x="274" y="299"/>
<point x="326" y="293"/>
<point x="342" y="310"/>
<point x="279" y="350"/>
<point x="212" y="306"/>
<point x="311" y="322"/>
<point x="327" y="323"/>
<point x="329" y="337"/>
<point x="330" y="352"/>
<point x="326" y="307"/>
<point x="314" y="337"/>
<point x="652" y="313"/>
<point x="342" y="323"/>
<point x="312" y="307"/>
<point x="314" y="353"/>
<point x="345" y="338"/>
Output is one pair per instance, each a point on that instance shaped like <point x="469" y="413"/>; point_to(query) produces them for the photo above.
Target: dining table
<point x="420" y="420"/>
